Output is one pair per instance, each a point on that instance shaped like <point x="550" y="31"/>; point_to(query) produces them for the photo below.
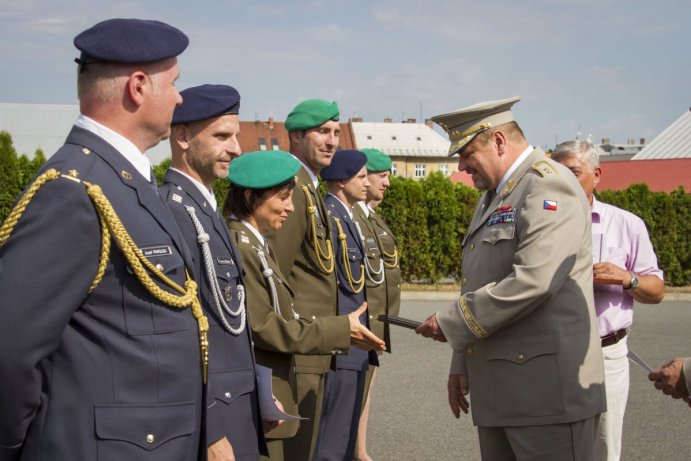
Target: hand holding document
<point x="638" y="361"/>
<point x="400" y="321"/>
<point x="267" y="404"/>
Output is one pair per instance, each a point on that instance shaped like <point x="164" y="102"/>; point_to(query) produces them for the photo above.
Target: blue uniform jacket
<point x="114" y="374"/>
<point x="348" y="300"/>
<point x="232" y="407"/>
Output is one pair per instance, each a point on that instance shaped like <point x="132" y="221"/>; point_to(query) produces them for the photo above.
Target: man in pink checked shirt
<point x="625" y="269"/>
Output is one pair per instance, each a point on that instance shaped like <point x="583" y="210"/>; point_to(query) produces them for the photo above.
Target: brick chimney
<point x="271" y="123"/>
<point x="642" y="141"/>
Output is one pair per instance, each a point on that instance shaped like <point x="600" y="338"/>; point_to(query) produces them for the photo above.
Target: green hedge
<point x="668" y="217"/>
<point x="431" y="217"/>
<point x="435" y="235"/>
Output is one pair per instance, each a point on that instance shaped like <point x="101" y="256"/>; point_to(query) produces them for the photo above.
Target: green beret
<point x="377" y="160"/>
<point x="263" y="169"/>
<point x="311" y="113"/>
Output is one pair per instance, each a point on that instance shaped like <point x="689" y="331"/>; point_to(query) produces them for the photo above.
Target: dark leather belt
<point x="614" y="337"/>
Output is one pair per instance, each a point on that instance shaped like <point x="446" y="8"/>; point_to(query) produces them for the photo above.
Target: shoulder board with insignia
<point x="544" y="168"/>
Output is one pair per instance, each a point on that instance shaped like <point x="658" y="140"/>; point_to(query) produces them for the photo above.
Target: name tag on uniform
<point x="502" y="214"/>
<point x="220" y="260"/>
<point x="163" y="250"/>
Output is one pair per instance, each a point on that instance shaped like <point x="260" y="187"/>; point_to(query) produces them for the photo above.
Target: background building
<point x="416" y="150"/>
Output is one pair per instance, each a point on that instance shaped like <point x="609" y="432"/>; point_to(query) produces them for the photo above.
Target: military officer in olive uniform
<point x="346" y="179"/>
<point x="305" y="254"/>
<point x="523" y="332"/>
<point x="203" y="142"/>
<point x="259" y="200"/>
<point x="382" y="269"/>
<point x="102" y="357"/>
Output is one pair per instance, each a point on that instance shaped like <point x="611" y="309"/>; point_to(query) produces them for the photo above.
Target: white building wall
<point x="46" y="126"/>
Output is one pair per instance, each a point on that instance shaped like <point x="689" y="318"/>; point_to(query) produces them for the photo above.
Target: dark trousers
<point x="343" y="395"/>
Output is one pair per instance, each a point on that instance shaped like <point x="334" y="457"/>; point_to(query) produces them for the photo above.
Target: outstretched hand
<point x="669" y="378"/>
<point x="360" y="336"/>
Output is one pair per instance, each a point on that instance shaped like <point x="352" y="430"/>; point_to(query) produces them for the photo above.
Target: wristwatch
<point x="634" y="282"/>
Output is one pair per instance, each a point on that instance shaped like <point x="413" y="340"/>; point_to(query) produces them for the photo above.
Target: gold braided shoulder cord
<point x="393" y="256"/>
<point x="328" y="255"/>
<point x="346" y="262"/>
<point x="23" y="202"/>
<point x="111" y="225"/>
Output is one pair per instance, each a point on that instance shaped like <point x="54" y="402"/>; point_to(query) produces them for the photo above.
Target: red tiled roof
<point x="463" y="178"/>
<point x="663" y="175"/>
<point x="270" y="130"/>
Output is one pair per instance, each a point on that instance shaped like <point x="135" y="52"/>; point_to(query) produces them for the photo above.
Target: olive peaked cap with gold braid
<point x="463" y="124"/>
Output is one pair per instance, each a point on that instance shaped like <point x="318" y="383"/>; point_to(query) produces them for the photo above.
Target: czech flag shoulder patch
<point x="549" y="205"/>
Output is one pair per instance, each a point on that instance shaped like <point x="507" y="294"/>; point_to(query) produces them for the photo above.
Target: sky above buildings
<point x="617" y="69"/>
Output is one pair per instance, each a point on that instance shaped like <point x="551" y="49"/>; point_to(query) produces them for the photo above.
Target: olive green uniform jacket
<point x="314" y="289"/>
<point x="380" y="250"/>
<point x="277" y="334"/>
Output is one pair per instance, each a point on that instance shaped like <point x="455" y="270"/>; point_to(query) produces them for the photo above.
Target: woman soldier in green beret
<point x="258" y="201"/>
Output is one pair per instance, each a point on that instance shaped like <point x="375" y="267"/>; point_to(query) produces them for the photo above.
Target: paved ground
<point x="410" y="419"/>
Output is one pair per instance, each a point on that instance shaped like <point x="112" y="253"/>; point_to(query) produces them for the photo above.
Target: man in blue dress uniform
<point x="102" y="357"/>
<point x="346" y="179"/>
<point x="203" y="143"/>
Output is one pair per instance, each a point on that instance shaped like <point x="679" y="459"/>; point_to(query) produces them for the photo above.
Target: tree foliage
<point x="405" y="210"/>
<point x="16" y="172"/>
<point x="667" y="219"/>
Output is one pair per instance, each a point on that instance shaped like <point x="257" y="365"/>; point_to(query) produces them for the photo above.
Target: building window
<point x="274" y="144"/>
<point x="420" y="171"/>
<point x="419" y="138"/>
<point x="262" y="143"/>
<point x="394" y="170"/>
<point x="393" y="138"/>
<point x="369" y="138"/>
<point x="444" y="169"/>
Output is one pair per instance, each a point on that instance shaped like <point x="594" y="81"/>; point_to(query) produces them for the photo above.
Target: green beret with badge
<point x="311" y="113"/>
<point x="377" y="161"/>
<point x="464" y="124"/>
<point x="263" y="169"/>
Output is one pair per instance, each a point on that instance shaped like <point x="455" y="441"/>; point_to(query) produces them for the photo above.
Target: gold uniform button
<point x="150" y="438"/>
<point x="86" y="151"/>
<point x="469" y="351"/>
<point x="227" y="394"/>
<point x="159" y="266"/>
<point x="314" y="317"/>
<point x="371" y="316"/>
<point x="472" y="247"/>
<point x="464" y="281"/>
<point x="494" y="238"/>
<point x="520" y="356"/>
